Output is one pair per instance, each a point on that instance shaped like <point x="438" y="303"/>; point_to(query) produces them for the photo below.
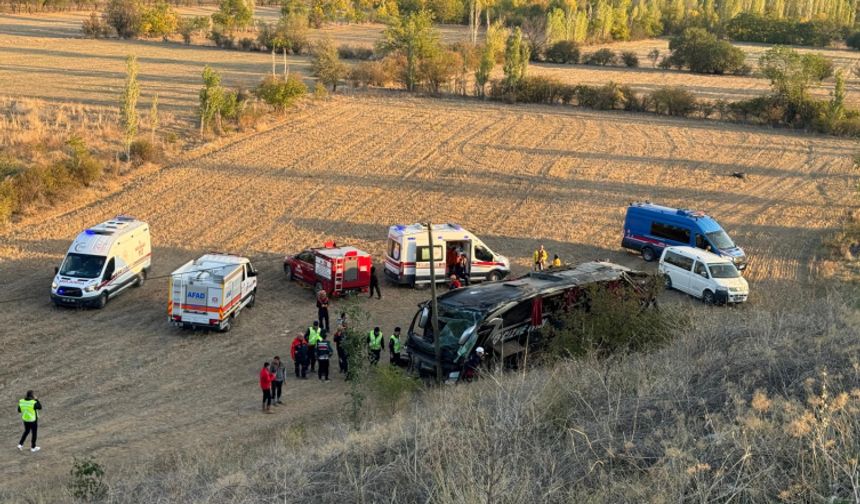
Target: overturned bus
<point x="506" y="317"/>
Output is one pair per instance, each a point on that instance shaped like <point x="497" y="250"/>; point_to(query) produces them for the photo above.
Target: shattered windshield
<point x="454" y="323"/>
<point x="82" y="266"/>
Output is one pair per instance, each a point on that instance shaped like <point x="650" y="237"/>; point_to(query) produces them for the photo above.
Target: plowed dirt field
<point x="122" y="385"/>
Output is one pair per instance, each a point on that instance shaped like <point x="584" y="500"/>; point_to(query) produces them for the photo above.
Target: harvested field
<point x="121" y="385"/>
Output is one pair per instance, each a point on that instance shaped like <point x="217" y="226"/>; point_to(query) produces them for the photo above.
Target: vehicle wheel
<point x="253" y="299"/>
<point x="103" y="301"/>
<point x="141" y="279"/>
<point x="494" y="276"/>
<point x="708" y="297"/>
<point x="228" y="324"/>
<point x="648" y="254"/>
<point x="288" y="270"/>
<point x="667" y="282"/>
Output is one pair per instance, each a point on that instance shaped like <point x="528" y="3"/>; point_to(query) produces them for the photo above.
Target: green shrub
<point x="95" y="27"/>
<point x="702" y="52"/>
<point x="281" y="94"/>
<point x="611" y="322"/>
<point x="673" y="101"/>
<point x="601" y="57"/>
<point x="849" y="126"/>
<point x="392" y="385"/>
<point x="372" y="73"/>
<point x="248" y="44"/>
<point x="748" y="27"/>
<point x="853" y="40"/>
<point x="630" y="59"/>
<point x="607" y="97"/>
<point x="538" y="89"/>
<point x="355" y="52"/>
<point x="143" y="151"/>
<point x="222" y="38"/>
<point x="160" y="20"/>
<point x="85" y="480"/>
<point x="665" y="63"/>
<point x="563" y="52"/>
<point x="190" y="26"/>
<point x="8" y="200"/>
<point x="124" y="16"/>
<point x="81" y="165"/>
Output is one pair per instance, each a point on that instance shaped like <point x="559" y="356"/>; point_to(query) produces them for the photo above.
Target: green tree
<point x="234" y="14"/>
<point x="485" y="66"/>
<point x="281" y="93"/>
<point x="516" y="59"/>
<point x="791" y="73"/>
<point x="415" y="39"/>
<point x="124" y="17"/>
<point x="128" y="104"/>
<point x="160" y="20"/>
<point x="326" y="64"/>
<point x="702" y="52"/>
<point x="212" y="99"/>
<point x="190" y="26"/>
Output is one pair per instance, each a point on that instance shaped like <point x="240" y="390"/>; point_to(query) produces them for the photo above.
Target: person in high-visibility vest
<point x="28" y="408"/>
<point x="374" y="343"/>
<point x="540" y="258"/>
<point x="394" y="346"/>
<point x="313" y="335"/>
<point x="556" y="262"/>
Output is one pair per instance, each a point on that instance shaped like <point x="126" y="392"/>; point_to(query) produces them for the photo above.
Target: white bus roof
<point x="99" y="239"/>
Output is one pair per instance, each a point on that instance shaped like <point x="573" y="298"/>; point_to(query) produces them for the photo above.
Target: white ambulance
<point x="210" y="292"/>
<point x="103" y="261"/>
<point x="407" y="254"/>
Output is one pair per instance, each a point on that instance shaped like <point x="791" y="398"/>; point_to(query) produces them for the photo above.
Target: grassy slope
<point x="763" y="409"/>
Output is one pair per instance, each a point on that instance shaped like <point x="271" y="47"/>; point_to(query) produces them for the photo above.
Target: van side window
<point x="394" y="249"/>
<point x="670" y="232"/>
<point x="422" y="254"/>
<point x="482" y="254"/>
<point x="109" y="269"/>
<point x="701" y="270"/>
<point x="678" y="260"/>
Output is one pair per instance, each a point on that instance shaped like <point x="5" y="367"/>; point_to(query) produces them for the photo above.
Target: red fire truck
<point x="336" y="270"/>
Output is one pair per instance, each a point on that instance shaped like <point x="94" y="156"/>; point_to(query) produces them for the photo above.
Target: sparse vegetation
<point x="86" y="480"/>
<point x="281" y="93"/>
<point x="563" y="52"/>
<point x="124" y="16"/>
<point x="326" y="65"/>
<point x="601" y="57"/>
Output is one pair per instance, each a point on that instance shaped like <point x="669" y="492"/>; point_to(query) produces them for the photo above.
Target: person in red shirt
<point x="454" y="283"/>
<point x="266" y="379"/>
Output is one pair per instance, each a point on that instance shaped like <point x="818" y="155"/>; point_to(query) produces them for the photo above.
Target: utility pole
<point x="437" y="341"/>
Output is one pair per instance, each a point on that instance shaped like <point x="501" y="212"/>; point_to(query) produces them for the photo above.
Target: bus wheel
<point x="648" y="254"/>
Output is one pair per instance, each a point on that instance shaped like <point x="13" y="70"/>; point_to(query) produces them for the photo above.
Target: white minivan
<point x="712" y="278"/>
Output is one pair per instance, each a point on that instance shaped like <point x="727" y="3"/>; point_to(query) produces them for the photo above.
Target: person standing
<point x="340" y="345"/>
<point x="29" y="407"/>
<point x="266" y="379"/>
<point x="277" y="368"/>
<point x="394" y="346"/>
<point x="313" y="335"/>
<point x="374" y="283"/>
<point x="298" y="341"/>
<point x="540" y="258"/>
<point x="322" y="310"/>
<point x="374" y="343"/>
<point x="323" y="356"/>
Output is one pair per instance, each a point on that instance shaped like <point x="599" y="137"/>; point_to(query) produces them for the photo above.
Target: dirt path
<point x="122" y="385"/>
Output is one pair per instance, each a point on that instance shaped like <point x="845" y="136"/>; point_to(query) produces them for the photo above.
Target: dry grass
<point x="725" y="413"/>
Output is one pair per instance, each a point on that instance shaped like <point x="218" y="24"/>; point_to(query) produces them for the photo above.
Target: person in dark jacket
<point x="277" y="367"/>
<point x="299" y="352"/>
<point x="323" y="356"/>
<point x="322" y="310"/>
<point x="29" y="408"/>
<point x="394" y="346"/>
<point x="340" y="345"/>
<point x="374" y="283"/>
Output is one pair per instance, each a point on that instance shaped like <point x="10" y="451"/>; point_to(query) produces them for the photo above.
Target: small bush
<point x="607" y="97"/>
<point x="95" y="27"/>
<point x="8" y="200"/>
<point x="125" y="17"/>
<point x="673" y="101"/>
<point x="248" y="44"/>
<point x="85" y="480"/>
<point x="701" y="52"/>
<point x="392" y="385"/>
<point x="853" y="40"/>
<point x="371" y="73"/>
<point x="601" y="57"/>
<point x="849" y="126"/>
<point x="281" y="94"/>
<point x="630" y="59"/>
<point x="355" y="52"/>
<point x="538" y="89"/>
<point x="81" y="165"/>
<point x="665" y="63"/>
<point x="160" y="20"/>
<point x="143" y="151"/>
<point x="563" y="52"/>
<point x="188" y="27"/>
<point x="222" y="39"/>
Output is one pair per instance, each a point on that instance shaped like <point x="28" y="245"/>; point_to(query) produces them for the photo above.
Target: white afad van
<point x="712" y="278"/>
<point x="103" y="261"/>
<point x="211" y="291"/>
<point x="407" y="254"/>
